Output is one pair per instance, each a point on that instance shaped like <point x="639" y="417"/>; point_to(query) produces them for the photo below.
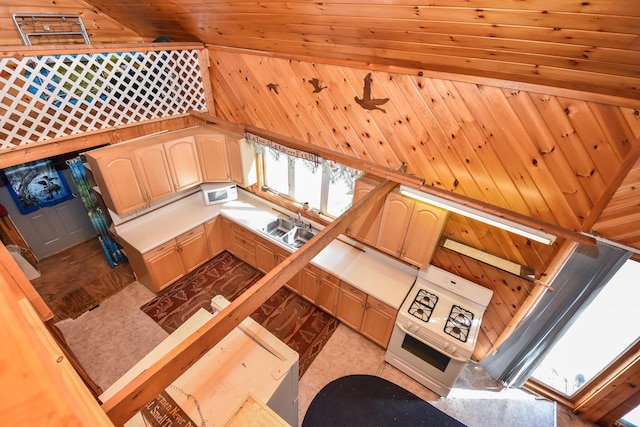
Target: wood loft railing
<point x="59" y="92"/>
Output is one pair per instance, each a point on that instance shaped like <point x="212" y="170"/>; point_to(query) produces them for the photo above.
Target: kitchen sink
<point x="288" y="231"/>
<point x="279" y="227"/>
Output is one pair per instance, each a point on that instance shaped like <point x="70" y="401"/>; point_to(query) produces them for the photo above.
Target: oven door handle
<point x="425" y="342"/>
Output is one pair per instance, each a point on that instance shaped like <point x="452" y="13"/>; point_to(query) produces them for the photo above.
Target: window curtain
<point x="111" y="249"/>
<point x="586" y="272"/>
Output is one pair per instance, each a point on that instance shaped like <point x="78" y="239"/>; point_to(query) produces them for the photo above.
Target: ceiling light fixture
<point x="478" y="215"/>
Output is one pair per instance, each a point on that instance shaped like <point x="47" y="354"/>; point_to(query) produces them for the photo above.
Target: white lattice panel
<point x="49" y="97"/>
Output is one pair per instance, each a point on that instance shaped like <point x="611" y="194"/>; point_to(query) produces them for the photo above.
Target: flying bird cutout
<point x="316" y="85"/>
<point x="273" y="87"/>
<point x="367" y="102"/>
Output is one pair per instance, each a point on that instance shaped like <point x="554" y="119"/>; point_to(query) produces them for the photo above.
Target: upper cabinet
<point x="410" y="230"/>
<point x="117" y="175"/>
<point x="242" y="162"/>
<point x="212" y="150"/>
<point x="134" y="174"/>
<point x="366" y="227"/>
<point x="151" y="162"/>
<point x="184" y="164"/>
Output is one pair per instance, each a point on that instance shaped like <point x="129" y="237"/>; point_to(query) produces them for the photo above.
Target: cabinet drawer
<point x="168" y="246"/>
<point x="246" y="255"/>
<point x="330" y="278"/>
<point x="191" y="233"/>
<point x="352" y="290"/>
<point x="375" y="303"/>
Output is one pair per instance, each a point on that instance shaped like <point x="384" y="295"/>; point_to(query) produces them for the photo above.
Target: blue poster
<point x="36" y="184"/>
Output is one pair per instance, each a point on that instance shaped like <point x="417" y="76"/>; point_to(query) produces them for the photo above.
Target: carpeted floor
<point x="298" y="323"/>
<point x="368" y="400"/>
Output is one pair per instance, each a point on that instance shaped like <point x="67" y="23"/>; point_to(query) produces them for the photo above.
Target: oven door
<point x="423" y="362"/>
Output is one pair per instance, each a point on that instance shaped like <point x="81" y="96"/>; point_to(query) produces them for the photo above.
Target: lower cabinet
<point x="366" y="314"/>
<point x="215" y="235"/>
<point x="351" y="305"/>
<point x="309" y="282"/>
<point x="265" y="254"/>
<point x="327" y="296"/>
<point x="378" y="320"/>
<point x="172" y="260"/>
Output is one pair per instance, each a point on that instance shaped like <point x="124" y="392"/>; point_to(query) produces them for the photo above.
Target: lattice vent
<point x="54" y="96"/>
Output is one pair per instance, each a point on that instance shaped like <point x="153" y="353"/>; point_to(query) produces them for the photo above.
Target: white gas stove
<point x="437" y="328"/>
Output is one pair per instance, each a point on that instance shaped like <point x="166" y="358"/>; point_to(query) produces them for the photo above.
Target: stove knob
<point x="453" y="349"/>
<point x="409" y="325"/>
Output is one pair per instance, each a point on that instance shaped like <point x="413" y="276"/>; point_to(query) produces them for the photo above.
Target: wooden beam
<point x="128" y="401"/>
<point x="39" y="50"/>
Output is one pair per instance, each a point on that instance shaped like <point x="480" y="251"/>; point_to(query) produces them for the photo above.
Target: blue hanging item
<point x="111" y="249"/>
<point x="35" y="185"/>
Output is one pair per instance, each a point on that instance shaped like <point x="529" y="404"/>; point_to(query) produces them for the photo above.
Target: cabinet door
<point x="154" y="171"/>
<point x="378" y="320"/>
<point x="423" y="233"/>
<point x="265" y="255"/>
<point x="295" y="283"/>
<point x="327" y="297"/>
<point x="212" y="150"/>
<point x="244" y="244"/>
<point x="242" y="162"/>
<point x="184" y="165"/>
<point x="310" y="282"/>
<point x="215" y="235"/>
<point x="351" y="304"/>
<point x="396" y="215"/>
<point x="366" y="227"/>
<point x="124" y="190"/>
<point x="193" y="248"/>
<point x="164" y="265"/>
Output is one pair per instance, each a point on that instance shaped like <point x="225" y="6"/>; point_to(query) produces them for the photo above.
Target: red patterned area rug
<point x="302" y="326"/>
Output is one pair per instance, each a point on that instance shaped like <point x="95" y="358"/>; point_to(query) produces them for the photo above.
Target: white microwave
<point x="219" y="192"/>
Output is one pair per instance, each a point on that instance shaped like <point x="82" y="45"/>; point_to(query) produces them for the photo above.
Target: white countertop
<point x="377" y="274"/>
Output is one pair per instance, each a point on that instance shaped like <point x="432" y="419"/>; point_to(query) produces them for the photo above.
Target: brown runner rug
<point x="301" y="325"/>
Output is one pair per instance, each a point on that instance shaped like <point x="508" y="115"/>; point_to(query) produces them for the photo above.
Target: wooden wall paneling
<point x="612" y="122"/>
<point x="429" y="134"/>
<point x="567" y="141"/>
<point x="497" y="158"/>
<point x="336" y="134"/>
<point x="389" y="137"/>
<point x="596" y="144"/>
<point x="632" y="117"/>
<point x="515" y="143"/>
<point x="565" y="182"/>
<point x="342" y="93"/>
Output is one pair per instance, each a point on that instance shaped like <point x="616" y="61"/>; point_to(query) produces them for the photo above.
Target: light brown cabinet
<point x="242" y="162"/>
<point x="184" y="164"/>
<point x="153" y="170"/>
<point x="215" y="235"/>
<point x="116" y="174"/>
<point x="309" y="281"/>
<point x="168" y="262"/>
<point x="351" y="305"/>
<point x="295" y="283"/>
<point x="265" y="254"/>
<point x="327" y="296"/>
<point x="193" y="248"/>
<point x="243" y="244"/>
<point x="366" y="227"/>
<point x="410" y="230"/>
<point x="164" y="266"/>
<point x="377" y="321"/>
<point x="213" y="154"/>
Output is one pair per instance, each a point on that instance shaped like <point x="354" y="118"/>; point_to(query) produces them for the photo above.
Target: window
<point x="325" y="185"/>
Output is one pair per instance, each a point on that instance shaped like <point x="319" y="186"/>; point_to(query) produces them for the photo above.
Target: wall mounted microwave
<point x="219" y="192"/>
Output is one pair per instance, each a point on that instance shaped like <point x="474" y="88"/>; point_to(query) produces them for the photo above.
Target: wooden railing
<point x="61" y="92"/>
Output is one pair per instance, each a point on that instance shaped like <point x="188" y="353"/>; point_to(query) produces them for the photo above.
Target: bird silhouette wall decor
<point x="366" y="101"/>
<point x="273" y="87"/>
<point x="316" y="85"/>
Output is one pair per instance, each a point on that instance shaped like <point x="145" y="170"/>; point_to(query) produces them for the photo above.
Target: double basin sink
<point x="289" y="231"/>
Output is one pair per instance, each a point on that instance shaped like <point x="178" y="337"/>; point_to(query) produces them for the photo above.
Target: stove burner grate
<point x="423" y="304"/>
<point x="459" y="323"/>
